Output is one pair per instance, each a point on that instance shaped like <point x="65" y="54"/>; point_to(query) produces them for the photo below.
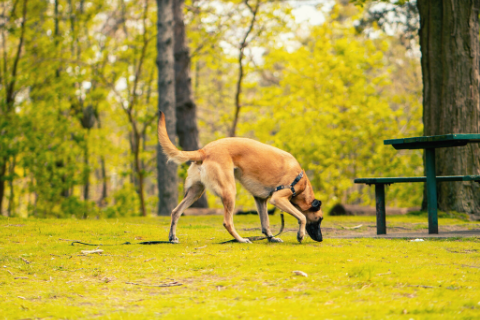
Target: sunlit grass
<point x="42" y="276"/>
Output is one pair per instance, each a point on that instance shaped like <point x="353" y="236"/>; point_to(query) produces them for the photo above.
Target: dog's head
<point x="312" y="209"/>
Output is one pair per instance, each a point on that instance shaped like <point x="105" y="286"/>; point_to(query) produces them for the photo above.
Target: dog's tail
<point x="171" y="151"/>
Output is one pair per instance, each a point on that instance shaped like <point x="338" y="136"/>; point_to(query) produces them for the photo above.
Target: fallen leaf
<point x="300" y="273"/>
<point x="92" y="251"/>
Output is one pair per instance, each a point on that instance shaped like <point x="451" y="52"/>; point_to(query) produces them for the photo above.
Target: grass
<point x="44" y="277"/>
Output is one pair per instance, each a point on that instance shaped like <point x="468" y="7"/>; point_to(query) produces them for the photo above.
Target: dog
<point x="268" y="173"/>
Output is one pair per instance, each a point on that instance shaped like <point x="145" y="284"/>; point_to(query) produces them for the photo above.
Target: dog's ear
<point x="316" y="205"/>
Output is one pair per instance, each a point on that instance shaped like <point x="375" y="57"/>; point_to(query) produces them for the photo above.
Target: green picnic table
<point x="429" y="144"/>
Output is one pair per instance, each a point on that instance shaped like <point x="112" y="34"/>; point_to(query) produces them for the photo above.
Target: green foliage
<point x="125" y="203"/>
<point x="78" y="102"/>
<point x="330" y="108"/>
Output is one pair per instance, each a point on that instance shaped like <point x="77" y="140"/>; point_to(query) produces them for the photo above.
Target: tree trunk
<point x="103" y="199"/>
<point x="86" y="178"/>
<point x="186" y="110"/>
<point x="139" y="176"/>
<point x="450" y="66"/>
<point x="167" y="172"/>
<point x="11" y="198"/>
<point x="241" y="55"/>
<point x="3" y="171"/>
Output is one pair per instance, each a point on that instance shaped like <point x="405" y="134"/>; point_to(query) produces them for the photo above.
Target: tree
<point x="241" y="55"/>
<point x="13" y="42"/>
<point x="134" y="70"/>
<point x="450" y="65"/>
<point x="328" y="106"/>
<point x="186" y="109"/>
<point x="166" y="172"/>
<point x="449" y="42"/>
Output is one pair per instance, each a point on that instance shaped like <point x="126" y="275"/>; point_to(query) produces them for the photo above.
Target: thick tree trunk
<point x="186" y="110"/>
<point x="167" y="173"/>
<point x="450" y="66"/>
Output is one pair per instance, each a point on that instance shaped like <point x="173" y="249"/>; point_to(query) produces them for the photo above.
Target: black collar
<point x="298" y="178"/>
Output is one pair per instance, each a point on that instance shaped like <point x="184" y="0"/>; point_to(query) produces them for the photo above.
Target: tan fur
<point x="259" y="168"/>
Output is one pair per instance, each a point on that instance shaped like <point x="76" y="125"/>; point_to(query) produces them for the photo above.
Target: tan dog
<point x="265" y="171"/>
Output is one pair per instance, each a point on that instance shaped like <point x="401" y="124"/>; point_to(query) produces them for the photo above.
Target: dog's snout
<point x="314" y="231"/>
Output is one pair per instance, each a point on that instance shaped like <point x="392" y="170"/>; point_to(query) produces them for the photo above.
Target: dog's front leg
<point x="280" y="199"/>
<point x="264" y="220"/>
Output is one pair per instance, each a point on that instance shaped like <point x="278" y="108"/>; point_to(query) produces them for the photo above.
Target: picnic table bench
<point x="429" y="144"/>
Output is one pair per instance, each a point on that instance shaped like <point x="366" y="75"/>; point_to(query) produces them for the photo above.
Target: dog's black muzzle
<point x="314" y="230"/>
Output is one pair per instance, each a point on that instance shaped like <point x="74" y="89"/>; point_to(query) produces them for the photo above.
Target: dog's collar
<point x="291" y="186"/>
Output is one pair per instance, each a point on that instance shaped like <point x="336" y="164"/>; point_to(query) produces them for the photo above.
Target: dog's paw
<point x="300" y="237"/>
<point x="273" y="239"/>
<point x="245" y="240"/>
<point x="174" y="241"/>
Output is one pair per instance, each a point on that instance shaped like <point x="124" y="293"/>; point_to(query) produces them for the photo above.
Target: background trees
<point x="79" y="124"/>
<point x="449" y="44"/>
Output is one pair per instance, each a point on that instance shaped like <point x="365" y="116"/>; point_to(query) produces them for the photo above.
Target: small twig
<point x="163" y="285"/>
<point x="25" y="260"/>
<point x="355" y="227"/>
<point x="92" y="251"/>
<point x="261" y="238"/>
<point x="420" y="286"/>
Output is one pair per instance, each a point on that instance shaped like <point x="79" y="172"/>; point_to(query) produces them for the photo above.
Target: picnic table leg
<point x="380" y="205"/>
<point x="431" y="191"/>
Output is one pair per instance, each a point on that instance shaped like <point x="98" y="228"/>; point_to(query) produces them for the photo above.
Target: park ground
<point x="45" y="277"/>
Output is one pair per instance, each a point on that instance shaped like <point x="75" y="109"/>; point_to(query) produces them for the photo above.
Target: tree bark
<point x="3" y="170"/>
<point x="450" y="66"/>
<point x="186" y="110"/>
<point x="11" y="198"/>
<point x="167" y="172"/>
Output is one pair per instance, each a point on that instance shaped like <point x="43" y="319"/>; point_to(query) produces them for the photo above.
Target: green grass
<point x="347" y="278"/>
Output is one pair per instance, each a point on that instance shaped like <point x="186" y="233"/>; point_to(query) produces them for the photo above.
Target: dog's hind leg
<point x="263" y="213"/>
<point x="228" y="199"/>
<point x="192" y="195"/>
<point x="219" y="178"/>
<point x="194" y="191"/>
